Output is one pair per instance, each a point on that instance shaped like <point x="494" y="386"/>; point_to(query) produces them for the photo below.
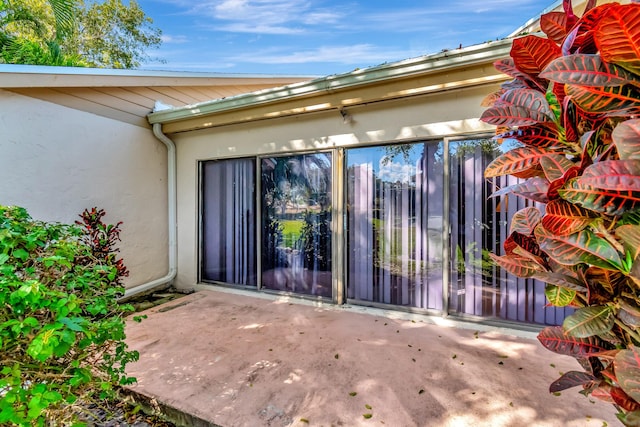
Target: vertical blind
<point x="229" y="221"/>
<point x="394" y="229"/>
<point x="394" y="220"/>
<point x="479" y="225"/>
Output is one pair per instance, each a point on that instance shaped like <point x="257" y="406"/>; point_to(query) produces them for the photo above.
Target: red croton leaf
<point x="609" y="202"/>
<point x="629" y="313"/>
<point x="603" y="393"/>
<point x="581" y="247"/>
<point x="625" y="99"/>
<point x="630" y="236"/>
<point x="559" y="183"/>
<point x="581" y="38"/>
<point x="531" y="54"/>
<point x="627" y="367"/>
<point x="529" y="99"/>
<point x="535" y="189"/>
<point x="516" y="160"/>
<point x="620" y="175"/>
<point x="516" y="265"/>
<point x="541" y="135"/>
<point x="586" y="70"/>
<point x="618" y="36"/>
<point x="526" y="242"/>
<point x="554" y="339"/>
<point x="508" y="67"/>
<point x="626" y="137"/>
<point x="555" y="166"/>
<point x="511" y="115"/>
<point x="525" y="221"/>
<point x="554" y="25"/>
<point x="603" y="281"/>
<point x="533" y="171"/>
<point x="572" y="379"/>
<point x="563" y="218"/>
<point x="623" y="400"/>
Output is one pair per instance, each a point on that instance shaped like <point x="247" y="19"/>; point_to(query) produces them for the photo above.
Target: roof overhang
<point x="338" y="90"/>
<point x="36" y="76"/>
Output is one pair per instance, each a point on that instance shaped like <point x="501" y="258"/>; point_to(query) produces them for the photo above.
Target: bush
<point x="61" y="328"/>
<point x="573" y="107"/>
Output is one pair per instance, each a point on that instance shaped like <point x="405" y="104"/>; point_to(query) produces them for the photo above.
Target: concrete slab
<point x="238" y="360"/>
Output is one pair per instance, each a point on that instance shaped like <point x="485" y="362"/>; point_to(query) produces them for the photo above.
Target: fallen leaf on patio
<point x="367" y="416"/>
<point x="353" y="393"/>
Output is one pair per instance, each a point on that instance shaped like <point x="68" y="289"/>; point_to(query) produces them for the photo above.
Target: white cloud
<point x="396" y="172"/>
<point x="178" y="39"/>
<point x="353" y="54"/>
<point x="266" y="16"/>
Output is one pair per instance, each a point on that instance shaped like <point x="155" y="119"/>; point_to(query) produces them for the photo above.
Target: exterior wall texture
<point x="57" y="161"/>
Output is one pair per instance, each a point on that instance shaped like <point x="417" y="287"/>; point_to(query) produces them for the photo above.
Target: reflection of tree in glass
<point x="316" y="240"/>
<point x="295" y="188"/>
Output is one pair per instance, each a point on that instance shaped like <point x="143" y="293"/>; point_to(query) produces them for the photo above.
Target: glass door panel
<point x="296" y="223"/>
<point x="229" y="222"/>
<point x="394" y="221"/>
<point x="479" y="225"/>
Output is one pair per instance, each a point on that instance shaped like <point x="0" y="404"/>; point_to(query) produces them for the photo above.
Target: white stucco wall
<point x="56" y="161"/>
<point x="445" y="114"/>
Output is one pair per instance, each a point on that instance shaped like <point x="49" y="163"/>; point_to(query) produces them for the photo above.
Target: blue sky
<point x="322" y="37"/>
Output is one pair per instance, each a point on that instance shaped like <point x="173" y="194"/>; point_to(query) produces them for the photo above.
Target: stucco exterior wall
<point x="433" y="116"/>
<point x="57" y="161"/>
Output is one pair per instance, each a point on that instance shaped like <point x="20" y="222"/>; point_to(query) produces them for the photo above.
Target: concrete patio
<point x="230" y="358"/>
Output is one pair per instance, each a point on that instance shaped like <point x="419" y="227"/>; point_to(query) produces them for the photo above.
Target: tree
<point x="110" y="34"/>
<point x="574" y="105"/>
<point x="105" y="34"/>
<point x="30" y="32"/>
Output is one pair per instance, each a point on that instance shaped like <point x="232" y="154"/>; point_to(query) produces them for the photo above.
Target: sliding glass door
<point x="418" y="229"/>
<point x="479" y="225"/>
<point x="394" y="225"/>
<point x="296" y="223"/>
<point x="229" y="222"/>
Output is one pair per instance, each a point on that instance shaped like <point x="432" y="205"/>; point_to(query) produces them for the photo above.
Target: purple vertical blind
<point x="229" y="222"/>
<point x="479" y="225"/>
<point x="394" y="209"/>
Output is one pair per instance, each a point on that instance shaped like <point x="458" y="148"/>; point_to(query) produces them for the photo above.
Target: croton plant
<point x="574" y="106"/>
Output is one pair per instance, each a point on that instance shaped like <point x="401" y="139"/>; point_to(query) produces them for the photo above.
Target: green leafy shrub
<point x="573" y="107"/>
<point x="61" y="328"/>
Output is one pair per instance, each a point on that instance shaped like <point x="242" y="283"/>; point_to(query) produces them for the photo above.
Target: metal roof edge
<point x="37" y="76"/>
<point x="444" y="60"/>
<point x="117" y="72"/>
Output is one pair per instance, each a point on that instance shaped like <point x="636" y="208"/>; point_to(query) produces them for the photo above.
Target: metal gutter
<point x="165" y="280"/>
<point x="484" y="53"/>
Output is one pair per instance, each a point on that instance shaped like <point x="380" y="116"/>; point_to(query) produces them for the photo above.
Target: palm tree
<point x="27" y="37"/>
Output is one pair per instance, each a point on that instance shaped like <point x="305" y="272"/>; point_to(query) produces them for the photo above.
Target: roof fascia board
<point x="484" y="53"/>
<point x="31" y="76"/>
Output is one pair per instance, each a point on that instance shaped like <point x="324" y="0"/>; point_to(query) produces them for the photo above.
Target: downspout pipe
<point x="172" y="220"/>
